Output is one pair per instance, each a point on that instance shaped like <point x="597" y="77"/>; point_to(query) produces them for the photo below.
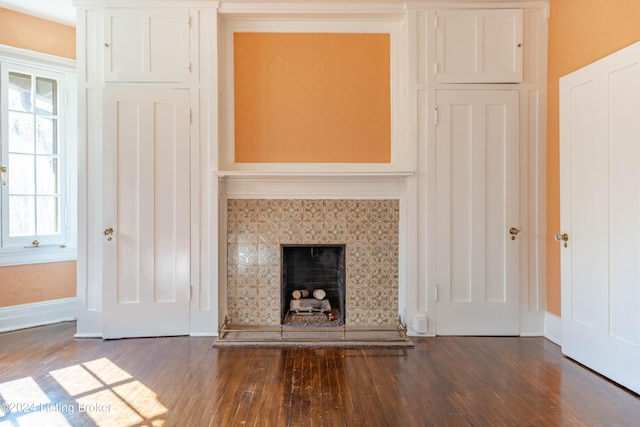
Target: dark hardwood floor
<point x="48" y="378"/>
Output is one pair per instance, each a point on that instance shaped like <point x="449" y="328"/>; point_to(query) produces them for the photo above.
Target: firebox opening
<point x="309" y="268"/>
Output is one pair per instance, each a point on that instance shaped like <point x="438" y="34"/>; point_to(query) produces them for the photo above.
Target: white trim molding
<point x="37" y="314"/>
<point x="553" y="328"/>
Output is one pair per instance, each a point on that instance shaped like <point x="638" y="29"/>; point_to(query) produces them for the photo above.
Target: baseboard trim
<point x="553" y="328"/>
<point x="37" y="314"/>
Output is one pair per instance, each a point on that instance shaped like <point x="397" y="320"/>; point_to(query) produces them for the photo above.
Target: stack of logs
<point x="318" y="294"/>
<point x="302" y="304"/>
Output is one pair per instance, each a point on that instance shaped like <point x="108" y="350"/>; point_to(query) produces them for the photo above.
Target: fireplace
<point x="313" y="285"/>
<point x="365" y="231"/>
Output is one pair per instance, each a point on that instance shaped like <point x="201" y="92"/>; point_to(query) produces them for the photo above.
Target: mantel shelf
<point x="312" y="174"/>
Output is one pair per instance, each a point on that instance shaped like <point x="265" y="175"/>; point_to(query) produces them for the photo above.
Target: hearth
<point x="313" y="285"/>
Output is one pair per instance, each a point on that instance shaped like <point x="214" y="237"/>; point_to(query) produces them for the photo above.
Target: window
<point x="35" y="141"/>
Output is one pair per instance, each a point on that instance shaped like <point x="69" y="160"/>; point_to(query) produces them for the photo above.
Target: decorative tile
<point x="247" y="232"/>
<point x="271" y="317"/>
<point x="291" y="210"/>
<point x="381" y="233"/>
<point x="269" y="276"/>
<point x="379" y="299"/>
<point x="268" y="254"/>
<point x="312" y="231"/>
<point x="290" y="232"/>
<point x="335" y="231"/>
<point x="246" y="316"/>
<point x="268" y="232"/>
<point x="358" y="210"/>
<point x="312" y="210"/>
<point x="335" y="210"/>
<point x="381" y="210"/>
<point x="247" y="297"/>
<point x="246" y="210"/>
<point x="380" y="254"/>
<point x="247" y="275"/>
<point x="269" y="210"/>
<point x="268" y="299"/>
<point x="358" y="232"/>
<point x="232" y="232"/>
<point x="357" y="254"/>
<point x="357" y="317"/>
<point x="231" y="208"/>
<point x="232" y="255"/>
<point x="247" y="255"/>
<point x="380" y="276"/>
<point x="357" y="276"/>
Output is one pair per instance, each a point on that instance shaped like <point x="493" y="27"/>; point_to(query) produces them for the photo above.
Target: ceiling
<point x="61" y="11"/>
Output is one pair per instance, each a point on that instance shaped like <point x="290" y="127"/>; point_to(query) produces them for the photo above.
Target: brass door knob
<point x="514" y="232"/>
<point x="562" y="237"/>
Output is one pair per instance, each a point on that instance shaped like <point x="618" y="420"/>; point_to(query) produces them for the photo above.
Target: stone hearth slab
<point x="277" y="337"/>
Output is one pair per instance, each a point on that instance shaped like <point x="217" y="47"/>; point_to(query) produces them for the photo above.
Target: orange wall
<point x="24" y="284"/>
<point x="28" y="32"/>
<point x="580" y="32"/>
<point x="312" y="97"/>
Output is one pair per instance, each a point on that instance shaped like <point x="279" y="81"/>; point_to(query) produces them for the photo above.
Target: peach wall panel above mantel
<point x="312" y="98"/>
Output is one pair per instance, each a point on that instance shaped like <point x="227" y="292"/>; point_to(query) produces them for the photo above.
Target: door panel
<point x="600" y="206"/>
<point x="479" y="46"/>
<point x="147" y="204"/>
<point x="476" y="205"/>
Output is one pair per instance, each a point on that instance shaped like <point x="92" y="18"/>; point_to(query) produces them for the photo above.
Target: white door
<point x="477" y="215"/>
<point x="147" y="212"/>
<point x="600" y="214"/>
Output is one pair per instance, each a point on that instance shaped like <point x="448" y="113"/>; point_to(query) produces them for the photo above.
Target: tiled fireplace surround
<point x="256" y="229"/>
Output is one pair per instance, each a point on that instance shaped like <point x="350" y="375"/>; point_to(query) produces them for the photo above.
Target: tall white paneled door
<point x="146" y="246"/>
<point x="477" y="212"/>
<point x="600" y="216"/>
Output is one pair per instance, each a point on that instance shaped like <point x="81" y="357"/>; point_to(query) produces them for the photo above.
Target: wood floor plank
<point x="183" y="381"/>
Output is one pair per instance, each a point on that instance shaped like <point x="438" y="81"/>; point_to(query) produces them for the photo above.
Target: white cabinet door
<point x="477" y="205"/>
<point x="146" y="276"/>
<point x="479" y="46"/>
<point x="146" y="46"/>
<point x="600" y="213"/>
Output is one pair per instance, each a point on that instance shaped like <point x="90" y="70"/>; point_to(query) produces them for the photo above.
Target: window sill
<point x="20" y="256"/>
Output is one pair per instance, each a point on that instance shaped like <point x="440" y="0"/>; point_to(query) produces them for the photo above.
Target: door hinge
<point x="189" y="21"/>
<point x="190" y="116"/>
<point x="189" y="67"/>
<point x="435" y="293"/>
<point x="435" y="116"/>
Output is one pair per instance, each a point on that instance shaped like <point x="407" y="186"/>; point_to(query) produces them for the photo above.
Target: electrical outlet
<point x="421" y="324"/>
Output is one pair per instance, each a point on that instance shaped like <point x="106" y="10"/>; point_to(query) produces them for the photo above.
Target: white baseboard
<point x="553" y="328"/>
<point x="37" y="314"/>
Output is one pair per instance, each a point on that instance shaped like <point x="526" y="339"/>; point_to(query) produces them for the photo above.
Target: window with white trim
<point x="35" y="183"/>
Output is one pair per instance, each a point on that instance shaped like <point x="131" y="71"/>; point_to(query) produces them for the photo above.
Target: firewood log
<point x="300" y="293"/>
<point x="319" y="294"/>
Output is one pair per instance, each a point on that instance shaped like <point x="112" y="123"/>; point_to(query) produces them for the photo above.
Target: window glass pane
<point x="47" y="175"/>
<point x="21" y="133"/>
<point x="21" y="174"/>
<point x="46" y="135"/>
<point x="22" y="216"/>
<point x="46" y="96"/>
<point x="19" y="92"/>
<point x="48" y="215"/>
